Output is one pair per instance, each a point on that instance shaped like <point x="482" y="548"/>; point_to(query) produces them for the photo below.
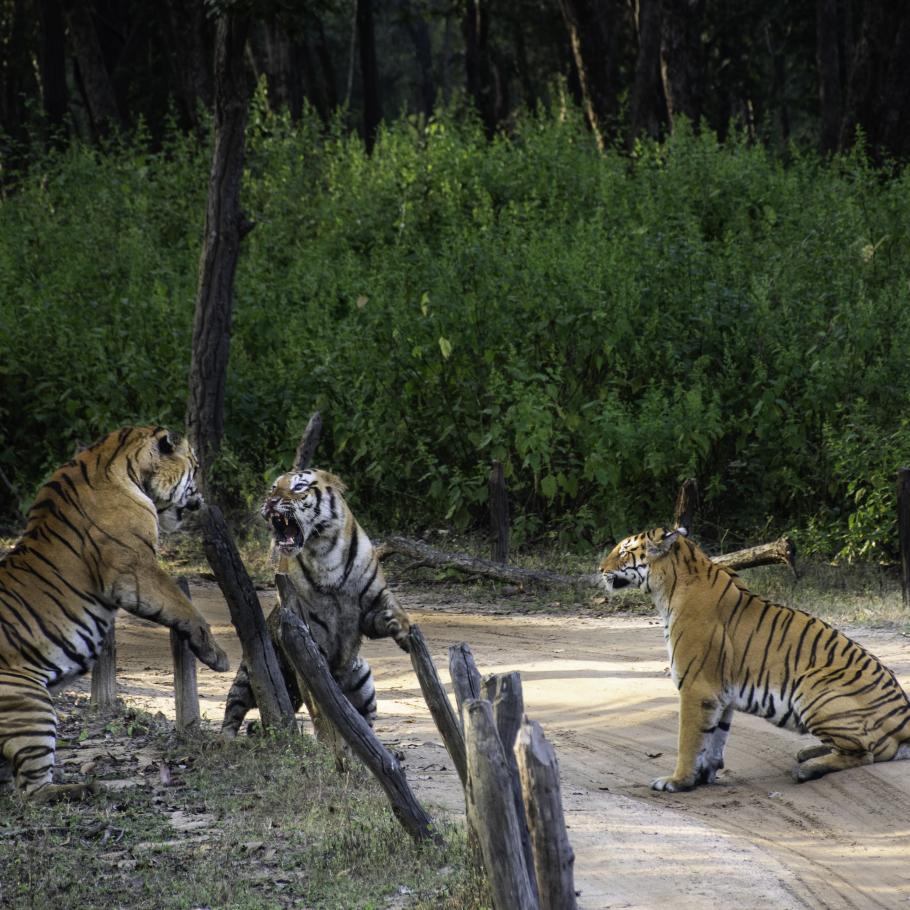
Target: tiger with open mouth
<point x="342" y="592"/>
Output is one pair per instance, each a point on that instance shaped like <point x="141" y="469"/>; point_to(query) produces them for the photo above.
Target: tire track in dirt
<point x="600" y="688"/>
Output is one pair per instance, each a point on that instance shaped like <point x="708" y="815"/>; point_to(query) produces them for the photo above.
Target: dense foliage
<point x="605" y="325"/>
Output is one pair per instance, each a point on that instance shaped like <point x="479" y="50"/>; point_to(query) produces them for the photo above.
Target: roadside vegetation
<point x="604" y="325"/>
<point x="256" y="824"/>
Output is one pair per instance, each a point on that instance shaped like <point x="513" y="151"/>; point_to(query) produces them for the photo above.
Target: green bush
<point x="603" y="325"/>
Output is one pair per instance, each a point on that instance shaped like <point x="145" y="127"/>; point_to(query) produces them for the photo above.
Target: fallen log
<point x="778" y="552"/>
<point x="462" y="562"/>
<point x="304" y="655"/>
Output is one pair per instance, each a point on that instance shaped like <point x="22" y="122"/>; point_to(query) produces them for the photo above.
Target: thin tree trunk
<point x="827" y="55"/>
<point x="96" y="81"/>
<point x="649" y="105"/>
<point x="190" y="36"/>
<point x="478" y="66"/>
<point x="53" y="63"/>
<point x="419" y="32"/>
<point x="369" y="73"/>
<point x="593" y="27"/>
<point x="682" y="58"/>
<point x="225" y="227"/>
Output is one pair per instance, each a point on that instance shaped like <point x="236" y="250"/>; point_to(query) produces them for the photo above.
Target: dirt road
<point x="600" y="688"/>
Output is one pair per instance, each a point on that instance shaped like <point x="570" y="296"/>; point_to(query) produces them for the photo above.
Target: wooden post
<point x="465" y="676"/>
<point x="437" y="701"/>
<point x="492" y="811"/>
<point x="505" y="694"/>
<point x="186" y="694"/>
<point x="499" y="514"/>
<point x="275" y="708"/>
<point x="306" y="449"/>
<point x="903" y="525"/>
<point x="104" y="674"/>
<point x="305" y="657"/>
<point x="686" y="504"/>
<point x="553" y="855"/>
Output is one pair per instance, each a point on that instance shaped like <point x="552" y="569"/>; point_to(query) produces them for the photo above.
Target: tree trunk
<point x="53" y="63"/>
<point x="272" y="699"/>
<point x="190" y="36"/>
<point x="419" y="32"/>
<point x="369" y="73"/>
<point x="478" y="65"/>
<point x="827" y="55"/>
<point x="649" y="105"/>
<point x="878" y="90"/>
<point x="225" y="227"/>
<point x="593" y="27"/>
<point x="96" y="81"/>
<point x="682" y="60"/>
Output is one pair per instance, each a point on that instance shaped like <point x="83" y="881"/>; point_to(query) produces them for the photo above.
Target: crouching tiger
<point x="342" y="593"/>
<point x="731" y="650"/>
<point x="89" y="547"/>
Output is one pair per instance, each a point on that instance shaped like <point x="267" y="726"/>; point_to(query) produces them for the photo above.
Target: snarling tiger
<point x="731" y="650"/>
<point x="89" y="547"/>
<point x="342" y="593"/>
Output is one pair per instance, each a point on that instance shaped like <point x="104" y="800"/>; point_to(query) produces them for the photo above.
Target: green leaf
<point x="445" y="346"/>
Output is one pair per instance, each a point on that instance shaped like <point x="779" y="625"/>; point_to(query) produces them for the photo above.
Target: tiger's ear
<point x="165" y="445"/>
<point x="663" y="545"/>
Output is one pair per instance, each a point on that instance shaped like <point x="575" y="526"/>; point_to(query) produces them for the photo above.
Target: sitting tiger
<point x="731" y="650"/>
<point x="89" y="547"/>
<point x="342" y="592"/>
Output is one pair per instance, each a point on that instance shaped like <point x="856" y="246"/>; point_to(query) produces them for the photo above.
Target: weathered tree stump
<point x="491" y="810"/>
<point x="505" y="695"/>
<point x="305" y="657"/>
<point x="554" y="858"/>
<point x="306" y="448"/>
<point x="686" y="504"/>
<point x="104" y="675"/>
<point x="437" y="701"/>
<point x="465" y="676"/>
<point x="275" y="708"/>
<point x="186" y="692"/>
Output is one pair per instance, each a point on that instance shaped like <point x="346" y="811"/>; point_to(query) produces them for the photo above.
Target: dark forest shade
<point x="813" y="70"/>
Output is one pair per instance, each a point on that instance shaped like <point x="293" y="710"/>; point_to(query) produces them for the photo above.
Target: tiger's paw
<point x="672" y="784"/>
<point x="398" y="627"/>
<point x="204" y="647"/>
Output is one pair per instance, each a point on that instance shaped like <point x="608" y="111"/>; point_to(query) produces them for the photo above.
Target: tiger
<point x="341" y="590"/>
<point x="732" y="650"/>
<point x="89" y="547"/>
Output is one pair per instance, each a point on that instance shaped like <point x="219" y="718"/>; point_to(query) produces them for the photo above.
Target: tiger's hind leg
<point x="28" y="739"/>
<point x="813" y="768"/>
<point x="357" y="684"/>
<point x="812" y="752"/>
<point x="241" y="699"/>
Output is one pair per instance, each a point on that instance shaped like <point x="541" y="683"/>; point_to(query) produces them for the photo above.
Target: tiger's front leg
<point x="387" y="620"/>
<point x="150" y="593"/>
<point x="698" y="760"/>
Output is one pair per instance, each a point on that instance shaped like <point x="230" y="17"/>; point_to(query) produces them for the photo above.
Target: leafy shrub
<point x="605" y="326"/>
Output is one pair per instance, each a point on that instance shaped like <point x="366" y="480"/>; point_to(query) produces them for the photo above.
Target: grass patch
<point x="255" y="823"/>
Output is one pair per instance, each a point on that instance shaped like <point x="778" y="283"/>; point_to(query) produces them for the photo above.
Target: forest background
<point x="611" y="245"/>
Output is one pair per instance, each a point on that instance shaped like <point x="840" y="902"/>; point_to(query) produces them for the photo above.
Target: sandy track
<point x="601" y="690"/>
